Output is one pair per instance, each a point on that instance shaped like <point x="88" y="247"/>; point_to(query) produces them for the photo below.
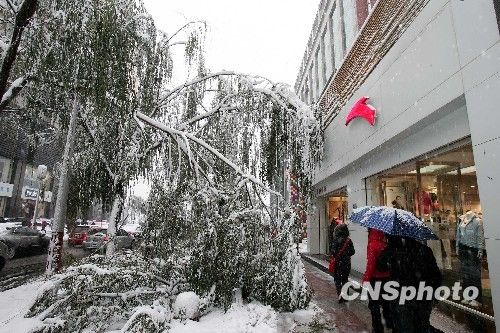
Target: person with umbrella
<point x="376" y="244"/>
<point x="408" y="261"/>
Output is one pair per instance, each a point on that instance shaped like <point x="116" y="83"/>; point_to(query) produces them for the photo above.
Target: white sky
<point x="265" y="37"/>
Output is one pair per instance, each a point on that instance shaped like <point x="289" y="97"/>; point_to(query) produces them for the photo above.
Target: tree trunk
<point x="54" y="258"/>
<point x="117" y="205"/>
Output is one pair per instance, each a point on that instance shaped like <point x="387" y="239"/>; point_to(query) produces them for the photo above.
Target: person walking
<point x="410" y="262"/>
<point x="376" y="244"/>
<point x="342" y="250"/>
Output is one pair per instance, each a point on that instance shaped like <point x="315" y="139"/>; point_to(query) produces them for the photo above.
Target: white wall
<point x="437" y="84"/>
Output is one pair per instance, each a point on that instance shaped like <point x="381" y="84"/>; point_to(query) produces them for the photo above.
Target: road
<point x="30" y="264"/>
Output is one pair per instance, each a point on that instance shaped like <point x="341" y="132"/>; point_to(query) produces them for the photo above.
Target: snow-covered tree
<point x="16" y="16"/>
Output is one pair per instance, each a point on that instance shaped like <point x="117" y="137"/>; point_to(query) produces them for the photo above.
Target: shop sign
<point x="31" y="193"/>
<point x="6" y="189"/>
<point x="362" y="110"/>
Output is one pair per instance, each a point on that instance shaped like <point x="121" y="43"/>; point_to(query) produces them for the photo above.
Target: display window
<point x="441" y="189"/>
<point x="336" y="211"/>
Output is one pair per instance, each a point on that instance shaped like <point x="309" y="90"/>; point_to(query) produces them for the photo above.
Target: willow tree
<point x="105" y="61"/>
<point x="224" y="127"/>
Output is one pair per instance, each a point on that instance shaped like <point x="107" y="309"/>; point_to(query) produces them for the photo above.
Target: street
<point x="30" y="264"/>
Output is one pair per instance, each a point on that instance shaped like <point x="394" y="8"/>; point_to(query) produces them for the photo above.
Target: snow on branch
<point x="203" y="144"/>
<point x="23" y="14"/>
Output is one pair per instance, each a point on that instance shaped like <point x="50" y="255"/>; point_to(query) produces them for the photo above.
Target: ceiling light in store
<point x="473" y="186"/>
<point x="430" y="168"/>
<point x="464" y="171"/>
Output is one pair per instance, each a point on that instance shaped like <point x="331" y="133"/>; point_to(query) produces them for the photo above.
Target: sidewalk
<point x="354" y="316"/>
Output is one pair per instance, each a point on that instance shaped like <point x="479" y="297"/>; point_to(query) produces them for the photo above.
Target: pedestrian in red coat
<point x="376" y="244"/>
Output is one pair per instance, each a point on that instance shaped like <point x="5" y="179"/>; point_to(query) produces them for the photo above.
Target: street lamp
<point x="41" y="174"/>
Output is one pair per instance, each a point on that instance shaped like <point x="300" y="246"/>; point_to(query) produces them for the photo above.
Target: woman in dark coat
<point x="343" y="260"/>
<point x="409" y="263"/>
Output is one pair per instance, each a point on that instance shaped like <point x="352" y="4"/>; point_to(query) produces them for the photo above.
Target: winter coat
<point x="340" y="235"/>
<point x="409" y="262"/>
<point x="376" y="244"/>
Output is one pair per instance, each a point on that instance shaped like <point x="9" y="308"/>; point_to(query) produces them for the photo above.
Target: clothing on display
<point x="470" y="246"/>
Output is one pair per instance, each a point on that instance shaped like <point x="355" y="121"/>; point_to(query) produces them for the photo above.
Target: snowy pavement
<point x="354" y="316"/>
<point x="14" y="304"/>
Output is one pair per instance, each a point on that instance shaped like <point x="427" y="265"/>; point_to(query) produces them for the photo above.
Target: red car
<point x="78" y="235"/>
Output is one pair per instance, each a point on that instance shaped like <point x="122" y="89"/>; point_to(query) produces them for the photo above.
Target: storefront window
<point x="441" y="189"/>
<point x="336" y="211"/>
<point x="30" y="179"/>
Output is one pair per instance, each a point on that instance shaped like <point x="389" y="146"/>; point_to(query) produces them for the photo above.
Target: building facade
<point x="432" y="72"/>
<point x="19" y="185"/>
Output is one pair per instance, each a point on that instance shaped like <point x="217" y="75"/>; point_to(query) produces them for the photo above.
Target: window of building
<point x="338" y="35"/>
<point x="441" y="189"/>
<point x="5" y="169"/>
<point x="311" y="91"/>
<point x="332" y="43"/>
<point x="305" y="89"/>
<point x="336" y="211"/>
<point x="30" y="179"/>
<point x="324" y="78"/>
<point x="317" y="91"/>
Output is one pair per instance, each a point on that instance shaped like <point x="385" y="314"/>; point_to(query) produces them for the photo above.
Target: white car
<point x="133" y="229"/>
<point x="97" y="239"/>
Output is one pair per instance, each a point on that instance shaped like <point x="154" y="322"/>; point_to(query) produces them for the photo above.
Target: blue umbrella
<point x="392" y="221"/>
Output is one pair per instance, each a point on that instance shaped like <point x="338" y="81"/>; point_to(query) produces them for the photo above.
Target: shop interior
<point x="336" y="210"/>
<point x="440" y="189"/>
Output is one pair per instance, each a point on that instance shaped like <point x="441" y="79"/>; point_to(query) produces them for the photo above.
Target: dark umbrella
<point x="392" y="221"/>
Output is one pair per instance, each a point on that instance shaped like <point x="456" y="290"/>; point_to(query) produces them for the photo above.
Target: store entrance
<point x="336" y="211"/>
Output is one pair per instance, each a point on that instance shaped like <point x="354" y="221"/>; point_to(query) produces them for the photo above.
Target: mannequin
<point x="470" y="247"/>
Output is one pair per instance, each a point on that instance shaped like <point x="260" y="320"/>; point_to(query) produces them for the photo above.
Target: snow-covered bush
<point x="230" y="247"/>
<point x="187" y="305"/>
<point x="101" y="292"/>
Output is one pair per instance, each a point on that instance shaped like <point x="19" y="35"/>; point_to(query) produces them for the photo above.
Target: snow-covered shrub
<point x="187" y="305"/>
<point x="238" y="251"/>
<point x="100" y="292"/>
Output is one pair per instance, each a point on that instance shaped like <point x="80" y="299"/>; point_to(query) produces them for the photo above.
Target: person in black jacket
<point x="342" y="249"/>
<point x="410" y="262"/>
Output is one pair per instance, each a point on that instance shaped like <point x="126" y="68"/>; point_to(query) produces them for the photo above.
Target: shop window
<point x="441" y="189"/>
<point x="336" y="211"/>
<point x="30" y="179"/>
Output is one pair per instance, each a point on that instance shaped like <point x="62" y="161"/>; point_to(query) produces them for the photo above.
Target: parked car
<point x="133" y="230"/>
<point x="97" y="238"/>
<point x="19" y="238"/>
<point x="19" y="220"/>
<point x="78" y="235"/>
<point x="4" y="249"/>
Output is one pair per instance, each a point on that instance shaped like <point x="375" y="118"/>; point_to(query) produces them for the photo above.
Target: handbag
<point x="335" y="259"/>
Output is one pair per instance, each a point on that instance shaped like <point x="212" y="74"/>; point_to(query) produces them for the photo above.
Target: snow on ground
<point x="14" y="304"/>
<point x="248" y="318"/>
<point x="245" y="318"/>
